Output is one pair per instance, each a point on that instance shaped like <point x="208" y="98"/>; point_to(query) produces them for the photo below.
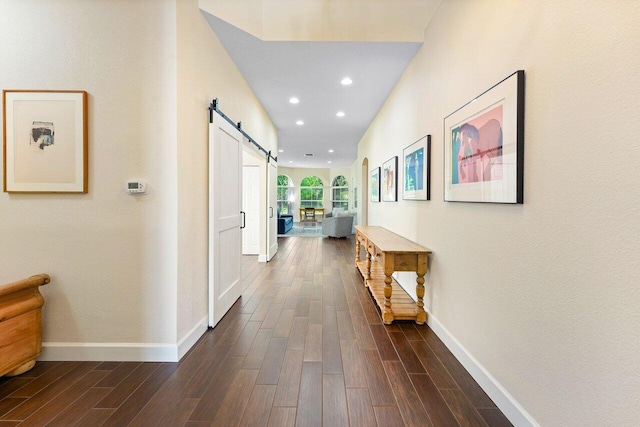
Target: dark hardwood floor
<point x="304" y="346"/>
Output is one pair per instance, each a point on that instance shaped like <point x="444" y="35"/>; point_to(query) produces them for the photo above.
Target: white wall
<point x="543" y="295"/>
<point x="129" y="273"/>
<point x="111" y="256"/>
<point x="205" y="71"/>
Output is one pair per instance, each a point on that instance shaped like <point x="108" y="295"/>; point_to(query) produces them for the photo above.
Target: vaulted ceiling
<point x="312" y="71"/>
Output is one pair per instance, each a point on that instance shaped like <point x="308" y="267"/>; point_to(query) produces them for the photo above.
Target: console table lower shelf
<point x="386" y="253"/>
<point x="403" y="306"/>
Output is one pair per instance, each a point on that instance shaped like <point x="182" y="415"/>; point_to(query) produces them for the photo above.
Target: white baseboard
<point x="262" y="258"/>
<point x="273" y="250"/>
<point x="123" y="352"/>
<point x="188" y="341"/>
<point x="500" y="396"/>
<point x="109" y="352"/>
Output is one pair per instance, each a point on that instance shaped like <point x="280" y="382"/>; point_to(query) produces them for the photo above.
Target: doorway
<point x="365" y="192"/>
<point x="257" y="225"/>
<point x="272" y="202"/>
<point x="251" y="209"/>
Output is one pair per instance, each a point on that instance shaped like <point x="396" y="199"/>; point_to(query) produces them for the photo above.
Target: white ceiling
<point x="312" y="71"/>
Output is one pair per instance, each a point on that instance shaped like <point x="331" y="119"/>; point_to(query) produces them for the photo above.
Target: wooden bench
<point x="387" y="252"/>
<point x="21" y="324"/>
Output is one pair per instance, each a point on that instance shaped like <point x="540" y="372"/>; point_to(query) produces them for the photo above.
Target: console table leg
<point x="421" y="315"/>
<point x="357" y="251"/>
<point x="368" y="265"/>
<point x="387" y="314"/>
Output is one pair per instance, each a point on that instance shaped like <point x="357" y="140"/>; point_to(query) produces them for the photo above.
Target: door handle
<point x="244" y="219"/>
<point x="271" y="214"/>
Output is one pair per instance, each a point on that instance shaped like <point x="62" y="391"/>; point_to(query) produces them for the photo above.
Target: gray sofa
<point x="337" y="226"/>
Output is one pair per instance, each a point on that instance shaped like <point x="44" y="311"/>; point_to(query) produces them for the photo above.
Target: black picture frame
<point x="484" y="146"/>
<point x="416" y="183"/>
<point x="374" y="184"/>
<point x="389" y="180"/>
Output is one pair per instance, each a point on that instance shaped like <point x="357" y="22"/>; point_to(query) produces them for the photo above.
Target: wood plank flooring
<point x="304" y="346"/>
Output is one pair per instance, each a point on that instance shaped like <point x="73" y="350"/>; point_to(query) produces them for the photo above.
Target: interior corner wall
<point x="326" y="20"/>
<point x="542" y="295"/>
<point x="231" y="12"/>
<point x="205" y="71"/>
<point x="111" y="256"/>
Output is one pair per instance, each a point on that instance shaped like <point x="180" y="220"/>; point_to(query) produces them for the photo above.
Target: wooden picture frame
<point x="484" y="146"/>
<point x="417" y="170"/>
<point x="390" y="180"/>
<point x="45" y="141"/>
<point x="374" y="184"/>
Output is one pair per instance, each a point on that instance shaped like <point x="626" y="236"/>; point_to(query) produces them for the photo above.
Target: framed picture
<point x="390" y="180"/>
<point x="417" y="170"/>
<point x="484" y="146"/>
<point x="375" y="185"/>
<point x="45" y="141"/>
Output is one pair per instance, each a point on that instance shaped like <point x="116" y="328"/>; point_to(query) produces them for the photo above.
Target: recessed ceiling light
<point x="281" y="151"/>
<point x="340" y="114"/>
<point x="299" y="122"/>
<point x="329" y="161"/>
<point x="331" y="151"/>
<point x="346" y="81"/>
<point x="290" y="161"/>
<point x="294" y="100"/>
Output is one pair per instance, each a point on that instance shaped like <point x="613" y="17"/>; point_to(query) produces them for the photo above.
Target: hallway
<point x="303" y="346"/>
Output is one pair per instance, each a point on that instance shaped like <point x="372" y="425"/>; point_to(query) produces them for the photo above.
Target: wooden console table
<point x="388" y="252"/>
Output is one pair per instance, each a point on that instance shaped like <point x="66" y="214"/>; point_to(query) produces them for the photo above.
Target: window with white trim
<point x="340" y="192"/>
<point x="311" y="192"/>
<point x="285" y="195"/>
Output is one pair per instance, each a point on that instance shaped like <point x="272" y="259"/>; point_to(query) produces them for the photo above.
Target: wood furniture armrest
<point x="20" y="285"/>
<point x="21" y="324"/>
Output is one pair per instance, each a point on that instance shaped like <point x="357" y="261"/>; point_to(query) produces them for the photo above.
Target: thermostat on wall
<point x="136" y="187"/>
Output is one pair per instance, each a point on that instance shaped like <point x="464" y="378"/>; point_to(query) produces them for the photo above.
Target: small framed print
<point x="45" y="141"/>
<point x="484" y="146"/>
<point x="375" y="185"/>
<point x="390" y="180"/>
<point x="417" y="170"/>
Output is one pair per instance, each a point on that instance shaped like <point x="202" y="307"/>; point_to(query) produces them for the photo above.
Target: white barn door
<point x="225" y="219"/>
<point x="272" y="202"/>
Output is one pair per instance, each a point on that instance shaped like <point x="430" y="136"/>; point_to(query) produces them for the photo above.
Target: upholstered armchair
<point x="337" y="226"/>
<point x="334" y="212"/>
<point x="285" y="223"/>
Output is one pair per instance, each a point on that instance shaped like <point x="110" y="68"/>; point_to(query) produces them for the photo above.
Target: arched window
<point x="340" y="192"/>
<point x="285" y="195"/>
<point x="311" y="192"/>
